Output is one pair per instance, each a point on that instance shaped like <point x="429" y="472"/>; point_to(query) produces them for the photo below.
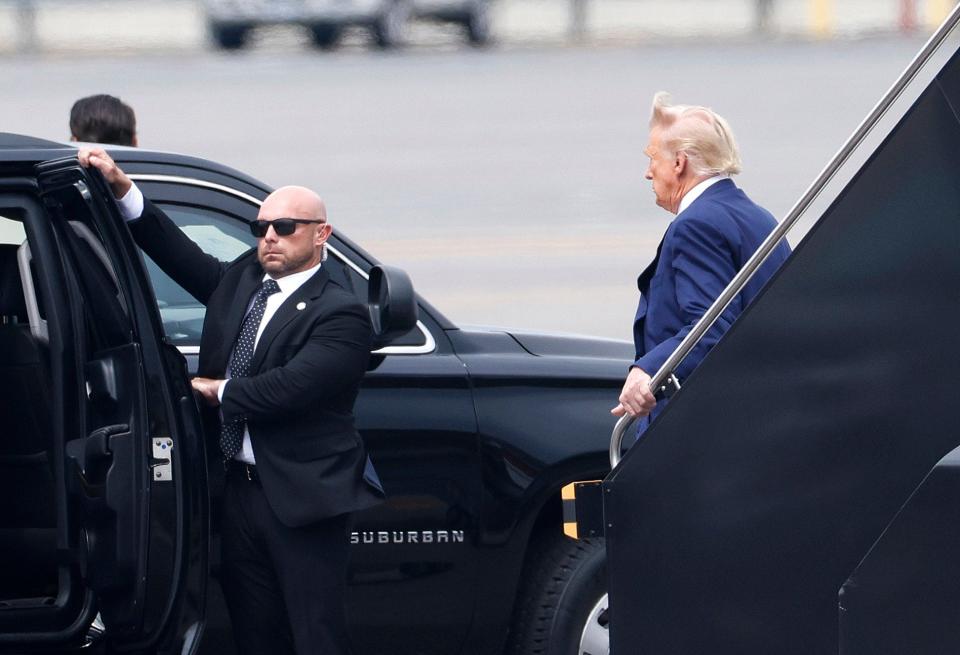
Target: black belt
<point x="241" y="470"/>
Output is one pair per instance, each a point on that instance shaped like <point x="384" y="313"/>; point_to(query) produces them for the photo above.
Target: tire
<point x="390" y="28"/>
<point x="325" y="35"/>
<point x="561" y="609"/>
<point x="229" y="36"/>
<point x="476" y="24"/>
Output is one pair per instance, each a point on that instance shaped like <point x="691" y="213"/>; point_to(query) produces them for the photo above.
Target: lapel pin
<point x="301" y="306"/>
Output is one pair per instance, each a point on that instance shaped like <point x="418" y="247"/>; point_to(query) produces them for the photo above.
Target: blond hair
<point x="698" y="132"/>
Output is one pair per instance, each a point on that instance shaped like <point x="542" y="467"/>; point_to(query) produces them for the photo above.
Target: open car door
<point x="110" y="551"/>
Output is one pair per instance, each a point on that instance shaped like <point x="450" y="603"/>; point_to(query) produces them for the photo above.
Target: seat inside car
<point x="28" y="512"/>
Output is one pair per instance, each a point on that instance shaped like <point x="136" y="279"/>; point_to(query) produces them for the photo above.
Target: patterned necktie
<point x="231" y="434"/>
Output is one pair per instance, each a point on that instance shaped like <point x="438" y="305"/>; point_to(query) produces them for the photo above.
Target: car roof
<point x="19" y="153"/>
<point x="24" y="149"/>
<point x="9" y="140"/>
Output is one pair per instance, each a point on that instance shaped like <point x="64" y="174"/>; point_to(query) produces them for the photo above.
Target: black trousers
<point x="284" y="586"/>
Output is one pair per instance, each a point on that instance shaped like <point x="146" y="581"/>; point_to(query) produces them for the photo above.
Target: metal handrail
<point x="662" y="377"/>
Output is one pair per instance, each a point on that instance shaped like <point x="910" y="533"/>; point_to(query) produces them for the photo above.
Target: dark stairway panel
<point x="904" y="597"/>
<point x="768" y="478"/>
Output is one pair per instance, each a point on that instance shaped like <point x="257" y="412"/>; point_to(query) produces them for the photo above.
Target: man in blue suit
<point x="692" y="155"/>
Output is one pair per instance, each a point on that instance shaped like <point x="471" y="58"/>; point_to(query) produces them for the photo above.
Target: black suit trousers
<point x="284" y="586"/>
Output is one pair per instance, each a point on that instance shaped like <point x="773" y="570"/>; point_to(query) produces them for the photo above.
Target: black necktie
<point x="231" y="434"/>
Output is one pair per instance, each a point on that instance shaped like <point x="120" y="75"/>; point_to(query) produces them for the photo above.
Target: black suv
<point x="104" y="533"/>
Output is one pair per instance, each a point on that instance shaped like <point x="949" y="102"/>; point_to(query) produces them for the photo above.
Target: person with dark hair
<point x="103" y="118"/>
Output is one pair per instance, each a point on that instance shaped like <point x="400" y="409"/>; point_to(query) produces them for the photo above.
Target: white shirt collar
<point x="290" y="283"/>
<point x="698" y="190"/>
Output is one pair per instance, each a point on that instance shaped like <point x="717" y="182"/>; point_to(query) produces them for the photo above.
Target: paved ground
<point x="508" y="182"/>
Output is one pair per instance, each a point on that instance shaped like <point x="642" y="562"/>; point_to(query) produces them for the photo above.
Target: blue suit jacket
<point x="702" y="250"/>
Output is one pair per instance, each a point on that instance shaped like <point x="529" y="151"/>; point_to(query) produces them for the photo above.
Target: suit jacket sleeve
<point x="176" y="254"/>
<point x="333" y="360"/>
<point x="703" y="264"/>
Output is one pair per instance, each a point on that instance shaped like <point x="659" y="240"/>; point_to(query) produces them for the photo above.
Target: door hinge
<point x="162" y="465"/>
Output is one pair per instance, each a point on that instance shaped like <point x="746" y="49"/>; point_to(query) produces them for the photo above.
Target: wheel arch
<point x="547" y="511"/>
<point x="545" y="534"/>
<point x="539" y="516"/>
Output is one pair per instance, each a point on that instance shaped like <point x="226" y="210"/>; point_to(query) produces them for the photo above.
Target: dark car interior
<point x="28" y="516"/>
<point x="51" y="399"/>
<point x="29" y="570"/>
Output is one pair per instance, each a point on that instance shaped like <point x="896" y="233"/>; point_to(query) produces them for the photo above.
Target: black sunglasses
<point x="284" y="227"/>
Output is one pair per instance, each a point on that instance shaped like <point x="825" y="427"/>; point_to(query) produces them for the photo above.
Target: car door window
<point x="216" y="215"/>
<point x="226" y="237"/>
<point x="11" y="231"/>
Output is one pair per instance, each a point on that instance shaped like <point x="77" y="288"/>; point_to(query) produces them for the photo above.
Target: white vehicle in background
<point x="231" y="21"/>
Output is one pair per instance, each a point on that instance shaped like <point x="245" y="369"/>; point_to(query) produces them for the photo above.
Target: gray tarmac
<point x="508" y="182"/>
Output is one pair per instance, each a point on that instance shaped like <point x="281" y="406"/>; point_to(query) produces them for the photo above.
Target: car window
<point x="221" y="236"/>
<point x="11" y="231"/>
<point x="226" y="237"/>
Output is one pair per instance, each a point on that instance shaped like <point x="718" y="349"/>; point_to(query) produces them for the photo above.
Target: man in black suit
<point x="282" y="354"/>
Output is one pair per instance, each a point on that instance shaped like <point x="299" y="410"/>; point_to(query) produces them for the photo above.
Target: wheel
<point x="595" y="637"/>
<point x="390" y="28"/>
<point x="325" y="35"/>
<point x="229" y="36"/>
<point x="477" y="23"/>
<point x="562" y="606"/>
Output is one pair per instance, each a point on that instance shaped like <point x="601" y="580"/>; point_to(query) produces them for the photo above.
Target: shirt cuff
<point x="131" y="204"/>
<point x="220" y="390"/>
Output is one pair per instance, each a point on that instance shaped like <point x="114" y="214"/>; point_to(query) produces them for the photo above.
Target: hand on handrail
<point x="636" y="399"/>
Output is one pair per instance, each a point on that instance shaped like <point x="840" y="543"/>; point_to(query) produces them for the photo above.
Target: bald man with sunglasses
<point x="282" y="354"/>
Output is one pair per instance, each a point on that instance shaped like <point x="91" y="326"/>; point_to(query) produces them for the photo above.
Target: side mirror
<point x="392" y="304"/>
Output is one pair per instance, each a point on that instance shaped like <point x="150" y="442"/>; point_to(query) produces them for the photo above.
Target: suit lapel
<point x="643" y="282"/>
<point x="300" y="301"/>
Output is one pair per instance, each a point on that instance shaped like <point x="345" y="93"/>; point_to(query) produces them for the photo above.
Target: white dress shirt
<point x="131" y="204"/>
<point x="698" y="190"/>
